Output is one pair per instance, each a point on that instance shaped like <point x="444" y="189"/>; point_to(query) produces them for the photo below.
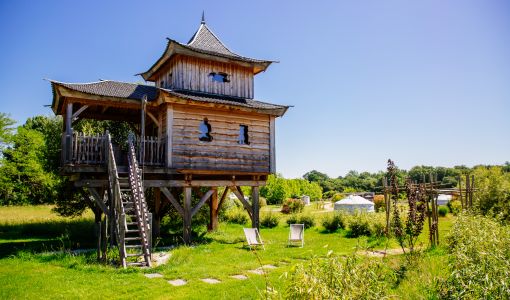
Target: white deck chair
<point x="297" y="234"/>
<point x="253" y="237"/>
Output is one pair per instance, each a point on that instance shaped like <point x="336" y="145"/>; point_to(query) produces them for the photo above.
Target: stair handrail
<point x="136" y="185"/>
<point x="115" y="192"/>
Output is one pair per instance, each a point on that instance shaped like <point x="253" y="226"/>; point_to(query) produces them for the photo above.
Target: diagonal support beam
<point x="237" y="191"/>
<point x="223" y="196"/>
<point x="172" y="200"/>
<point x="98" y="200"/>
<point x="79" y="111"/>
<point x="201" y="202"/>
<point x="153" y="118"/>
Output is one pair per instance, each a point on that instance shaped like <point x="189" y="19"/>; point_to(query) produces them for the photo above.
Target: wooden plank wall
<point x="223" y="153"/>
<point x="191" y="73"/>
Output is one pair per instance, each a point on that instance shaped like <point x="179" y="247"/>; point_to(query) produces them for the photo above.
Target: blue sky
<point x="421" y="82"/>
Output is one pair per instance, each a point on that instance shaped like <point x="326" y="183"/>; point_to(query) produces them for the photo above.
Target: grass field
<point x="31" y="265"/>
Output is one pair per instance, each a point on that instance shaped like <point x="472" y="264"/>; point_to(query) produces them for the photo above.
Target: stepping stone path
<point x="240" y="277"/>
<point x="153" y="275"/>
<point x="257" y="271"/>
<point x="177" y="282"/>
<point x="210" y="280"/>
<point x="268" y="267"/>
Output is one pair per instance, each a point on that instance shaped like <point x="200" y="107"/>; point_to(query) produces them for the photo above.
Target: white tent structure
<point x="354" y="203"/>
<point x="443" y="199"/>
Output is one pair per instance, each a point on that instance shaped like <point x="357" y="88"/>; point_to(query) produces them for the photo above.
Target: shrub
<point x="237" y="216"/>
<point x="307" y="220"/>
<point x="455" y="207"/>
<point x="442" y="211"/>
<point x="479" y="260"/>
<point x="333" y="223"/>
<point x="340" y="278"/>
<point x="379" y="204"/>
<point x="262" y="202"/>
<point x="269" y="220"/>
<point x="359" y="227"/>
<point x="292" y="206"/>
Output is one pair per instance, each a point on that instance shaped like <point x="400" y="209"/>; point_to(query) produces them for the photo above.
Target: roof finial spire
<point x="203" y="18"/>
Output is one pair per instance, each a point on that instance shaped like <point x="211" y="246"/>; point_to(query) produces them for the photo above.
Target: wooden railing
<point x="115" y="192"/>
<point x="93" y="150"/>
<point x="140" y="205"/>
<point x="154" y="151"/>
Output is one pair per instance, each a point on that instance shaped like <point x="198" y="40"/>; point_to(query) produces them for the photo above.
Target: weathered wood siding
<point x="223" y="153"/>
<point x="188" y="73"/>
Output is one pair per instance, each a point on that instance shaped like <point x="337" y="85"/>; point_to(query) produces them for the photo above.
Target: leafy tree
<point x="275" y="190"/>
<point x="6" y="130"/>
<point x="23" y="178"/>
<point x="492" y="192"/>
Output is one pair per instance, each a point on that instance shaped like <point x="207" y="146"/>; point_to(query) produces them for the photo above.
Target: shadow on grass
<point x="46" y="236"/>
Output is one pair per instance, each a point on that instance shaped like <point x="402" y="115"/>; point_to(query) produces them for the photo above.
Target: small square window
<point x="243" y="135"/>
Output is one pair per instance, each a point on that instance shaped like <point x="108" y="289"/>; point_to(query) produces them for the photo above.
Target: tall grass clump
<point x="365" y="224"/>
<point x="333" y="222"/>
<point x="337" y="277"/>
<point x="479" y="260"/>
<point x="236" y="215"/>
<point x="307" y="220"/>
<point x="269" y="220"/>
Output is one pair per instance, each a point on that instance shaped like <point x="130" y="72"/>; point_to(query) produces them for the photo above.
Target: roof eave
<point x="173" y="47"/>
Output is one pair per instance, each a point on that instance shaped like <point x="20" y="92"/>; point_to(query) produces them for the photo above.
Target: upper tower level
<point x="205" y="65"/>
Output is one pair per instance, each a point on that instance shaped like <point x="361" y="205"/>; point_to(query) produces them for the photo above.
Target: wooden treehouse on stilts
<point x="196" y="127"/>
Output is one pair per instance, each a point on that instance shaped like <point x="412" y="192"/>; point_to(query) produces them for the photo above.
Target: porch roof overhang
<point x="121" y="97"/>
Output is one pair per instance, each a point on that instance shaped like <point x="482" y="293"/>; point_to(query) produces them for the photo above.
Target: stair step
<point x="125" y="190"/>
<point x="132" y="238"/>
<point x="134" y="254"/>
<point x="132" y="230"/>
<point x="131" y="223"/>
<point x="133" y="246"/>
<point x="141" y="264"/>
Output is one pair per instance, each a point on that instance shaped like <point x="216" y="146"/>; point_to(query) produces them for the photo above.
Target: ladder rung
<point x="132" y="238"/>
<point x="133" y="246"/>
<point x="132" y="230"/>
<point x="134" y="254"/>
<point x="136" y="264"/>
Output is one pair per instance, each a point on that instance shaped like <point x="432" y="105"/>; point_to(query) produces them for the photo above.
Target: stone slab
<point x="240" y="277"/>
<point x="153" y="275"/>
<point x="210" y="280"/>
<point x="177" y="282"/>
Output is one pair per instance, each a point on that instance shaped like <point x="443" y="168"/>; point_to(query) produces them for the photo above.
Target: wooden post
<point x="169" y="132"/>
<point x="157" y="213"/>
<point x="69" y="132"/>
<point x="471" y="189"/>
<point x="97" y="227"/>
<point x="386" y="205"/>
<point x="460" y="193"/>
<point x="255" y="206"/>
<point x="468" y="188"/>
<point x="213" y="211"/>
<point x="186" y="234"/>
<point x="104" y="238"/>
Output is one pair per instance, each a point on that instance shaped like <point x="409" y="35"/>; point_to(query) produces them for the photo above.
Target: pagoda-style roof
<point x="130" y="94"/>
<point x="205" y="44"/>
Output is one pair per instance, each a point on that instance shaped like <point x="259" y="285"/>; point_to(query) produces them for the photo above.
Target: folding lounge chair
<point x="297" y="234"/>
<point x="253" y="237"/>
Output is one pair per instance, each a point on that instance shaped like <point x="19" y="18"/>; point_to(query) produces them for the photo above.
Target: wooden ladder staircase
<point x="133" y="221"/>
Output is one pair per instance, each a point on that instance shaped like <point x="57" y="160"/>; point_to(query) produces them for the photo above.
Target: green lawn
<point x="27" y="271"/>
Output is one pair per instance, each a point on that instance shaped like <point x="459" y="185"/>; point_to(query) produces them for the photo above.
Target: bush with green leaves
<point x="479" y="260"/>
<point x="442" y="211"/>
<point x="236" y="215"/>
<point x="333" y="222"/>
<point x="455" y="207"/>
<point x="365" y="224"/>
<point x="305" y="219"/>
<point x="269" y="220"/>
<point x="292" y="206"/>
<point x="337" y="277"/>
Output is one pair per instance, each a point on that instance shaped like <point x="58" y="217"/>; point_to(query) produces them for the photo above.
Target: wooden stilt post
<point x="255" y="206"/>
<point x="213" y="211"/>
<point x="69" y="133"/>
<point x="156" y="221"/>
<point x="460" y="193"/>
<point x="186" y="235"/>
<point x="104" y="238"/>
<point x="97" y="227"/>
